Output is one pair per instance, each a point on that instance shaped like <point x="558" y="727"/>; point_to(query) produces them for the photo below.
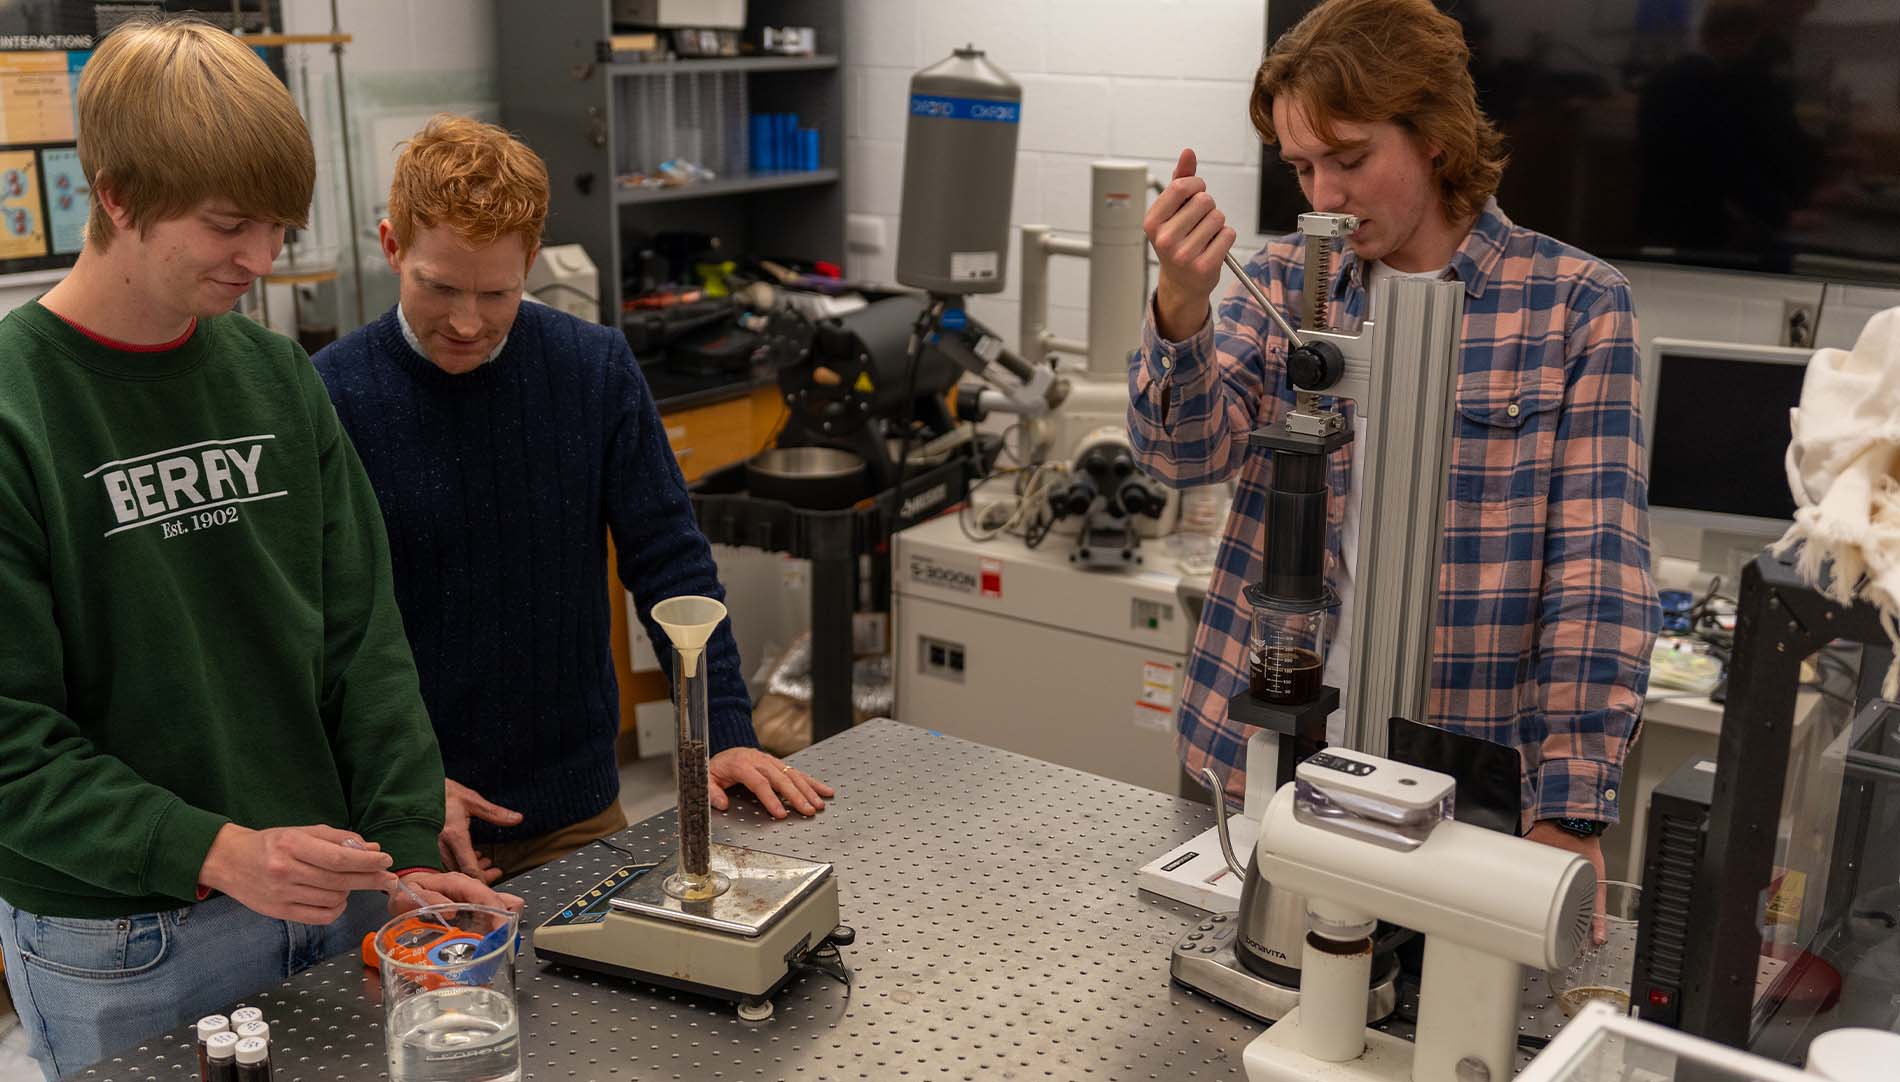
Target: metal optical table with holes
<point x="1000" y="935"/>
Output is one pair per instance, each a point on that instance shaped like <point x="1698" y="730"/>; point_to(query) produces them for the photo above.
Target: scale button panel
<point x="590" y="906"/>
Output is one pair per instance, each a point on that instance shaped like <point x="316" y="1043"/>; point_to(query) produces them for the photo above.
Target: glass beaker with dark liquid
<point x="1286" y="649"/>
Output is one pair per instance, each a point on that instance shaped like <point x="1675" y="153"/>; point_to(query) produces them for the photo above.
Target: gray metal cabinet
<point x="593" y="119"/>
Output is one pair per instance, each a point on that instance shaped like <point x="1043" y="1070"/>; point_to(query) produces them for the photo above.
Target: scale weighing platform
<point x="741" y="945"/>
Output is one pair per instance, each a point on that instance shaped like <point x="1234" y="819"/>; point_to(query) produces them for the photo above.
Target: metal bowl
<point x="820" y="478"/>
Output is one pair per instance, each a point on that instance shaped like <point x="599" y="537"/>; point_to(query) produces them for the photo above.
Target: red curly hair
<point x="475" y="178"/>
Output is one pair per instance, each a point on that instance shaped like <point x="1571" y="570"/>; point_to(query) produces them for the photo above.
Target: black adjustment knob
<point x="1315" y="366"/>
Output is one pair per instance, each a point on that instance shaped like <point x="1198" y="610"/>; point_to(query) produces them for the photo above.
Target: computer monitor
<point x="1716" y="417"/>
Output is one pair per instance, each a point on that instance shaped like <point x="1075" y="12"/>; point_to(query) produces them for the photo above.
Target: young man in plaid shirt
<point x="1546" y="607"/>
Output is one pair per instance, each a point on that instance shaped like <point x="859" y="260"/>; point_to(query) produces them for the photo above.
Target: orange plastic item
<point x="416" y="942"/>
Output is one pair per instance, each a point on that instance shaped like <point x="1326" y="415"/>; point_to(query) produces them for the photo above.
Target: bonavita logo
<point x="185" y="488"/>
<point x="931" y="573"/>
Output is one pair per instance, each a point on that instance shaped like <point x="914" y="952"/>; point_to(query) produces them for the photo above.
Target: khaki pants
<point x="513" y="858"/>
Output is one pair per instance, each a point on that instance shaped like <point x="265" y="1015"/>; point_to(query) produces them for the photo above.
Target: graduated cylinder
<point x="689" y="622"/>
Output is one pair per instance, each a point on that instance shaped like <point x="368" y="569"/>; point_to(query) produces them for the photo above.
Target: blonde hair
<point x="1366" y="61"/>
<point x="475" y="178"/>
<point x="175" y="111"/>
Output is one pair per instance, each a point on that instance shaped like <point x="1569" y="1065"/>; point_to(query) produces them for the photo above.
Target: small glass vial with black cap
<point x="208" y="1027"/>
<point x="253" y="1060"/>
<point x="221" y="1052"/>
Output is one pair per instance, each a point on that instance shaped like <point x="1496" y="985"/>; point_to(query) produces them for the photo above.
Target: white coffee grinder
<point x="1365" y="839"/>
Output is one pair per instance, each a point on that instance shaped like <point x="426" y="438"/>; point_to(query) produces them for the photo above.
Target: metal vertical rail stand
<point x="336" y="39"/>
<point x="834" y="596"/>
<point x="1409" y="419"/>
<point x="349" y="170"/>
<point x="1401" y="372"/>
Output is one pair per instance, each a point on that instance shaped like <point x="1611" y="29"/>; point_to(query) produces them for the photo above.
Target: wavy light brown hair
<point x="174" y="112"/>
<point x="475" y="178"/>
<point x="1366" y="61"/>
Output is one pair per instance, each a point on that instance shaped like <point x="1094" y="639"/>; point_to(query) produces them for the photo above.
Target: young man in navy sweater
<point x="504" y="442"/>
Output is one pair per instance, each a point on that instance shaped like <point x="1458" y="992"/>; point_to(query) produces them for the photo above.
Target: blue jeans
<point x="87" y="989"/>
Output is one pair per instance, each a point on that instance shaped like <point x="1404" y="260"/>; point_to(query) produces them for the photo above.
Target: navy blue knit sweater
<point x="498" y="487"/>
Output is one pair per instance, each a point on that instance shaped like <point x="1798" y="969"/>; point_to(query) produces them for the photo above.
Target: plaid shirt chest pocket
<point x="1505" y="440"/>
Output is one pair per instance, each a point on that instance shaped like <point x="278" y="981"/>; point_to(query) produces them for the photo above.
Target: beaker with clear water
<point x="448" y="976"/>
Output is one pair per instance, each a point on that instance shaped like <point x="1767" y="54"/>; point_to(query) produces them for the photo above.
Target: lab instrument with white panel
<point x="988" y="635"/>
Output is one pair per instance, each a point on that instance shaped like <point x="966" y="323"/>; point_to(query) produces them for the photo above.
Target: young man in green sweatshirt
<point x="205" y="690"/>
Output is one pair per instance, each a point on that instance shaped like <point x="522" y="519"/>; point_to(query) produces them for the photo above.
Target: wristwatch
<point x="1582" y="828"/>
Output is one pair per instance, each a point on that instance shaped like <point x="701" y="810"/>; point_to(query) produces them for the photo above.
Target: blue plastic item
<point x="1675" y="611"/>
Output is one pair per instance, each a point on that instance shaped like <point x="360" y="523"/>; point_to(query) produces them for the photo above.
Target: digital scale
<point x="729" y="922"/>
<point x="743" y="945"/>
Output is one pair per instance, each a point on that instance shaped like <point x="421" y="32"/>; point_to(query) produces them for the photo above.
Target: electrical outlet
<point x="864" y="232"/>
<point x="654" y="724"/>
<point x="936" y="657"/>
<point x="1145" y="615"/>
<point x="1797" y="324"/>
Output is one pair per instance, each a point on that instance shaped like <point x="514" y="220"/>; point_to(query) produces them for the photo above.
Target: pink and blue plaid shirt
<point x="1546" y="611"/>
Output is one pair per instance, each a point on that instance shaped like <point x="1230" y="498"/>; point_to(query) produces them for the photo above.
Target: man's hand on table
<point x="769" y="779"/>
<point x="459" y="803"/>
<point x="438" y="888"/>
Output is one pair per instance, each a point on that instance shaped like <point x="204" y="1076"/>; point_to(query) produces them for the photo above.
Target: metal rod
<point x="1219" y="793"/>
<point x="1057" y="344"/>
<point x="1033" y="311"/>
<point x="309" y="115"/>
<point x="1260" y="297"/>
<point x="1066" y="246"/>
<point x="349" y="170"/>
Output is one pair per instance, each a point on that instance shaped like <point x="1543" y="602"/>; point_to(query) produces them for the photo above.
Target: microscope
<point x="1364" y="839"/>
<point x="1110" y="494"/>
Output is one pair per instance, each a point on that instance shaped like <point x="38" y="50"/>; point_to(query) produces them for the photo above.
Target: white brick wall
<point x="876" y="169"/>
<point x="1011" y="32"/>
<point x="1155" y="118"/>
<point x="417" y="35"/>
<point x="1133" y="79"/>
<point x="1159" y="39"/>
<point x="1069" y="115"/>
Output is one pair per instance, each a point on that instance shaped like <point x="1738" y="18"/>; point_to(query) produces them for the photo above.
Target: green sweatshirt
<point x="196" y="619"/>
